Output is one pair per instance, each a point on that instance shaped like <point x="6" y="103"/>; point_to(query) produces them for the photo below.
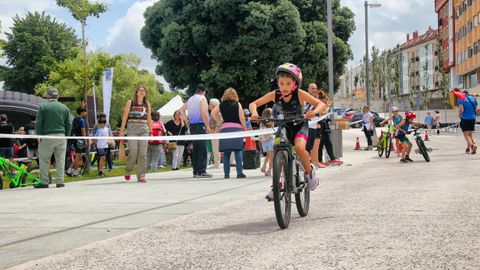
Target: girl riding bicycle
<point x="396" y="119"/>
<point x="289" y="100"/>
<point x="402" y="128"/>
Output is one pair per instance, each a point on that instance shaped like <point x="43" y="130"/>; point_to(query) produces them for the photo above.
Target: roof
<point x="429" y="35"/>
<point x="19" y="102"/>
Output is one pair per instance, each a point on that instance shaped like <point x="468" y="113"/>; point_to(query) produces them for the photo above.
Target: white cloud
<point x="124" y="36"/>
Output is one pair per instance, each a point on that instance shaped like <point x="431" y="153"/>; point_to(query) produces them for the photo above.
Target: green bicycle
<point x="385" y="142"/>
<point x="21" y="179"/>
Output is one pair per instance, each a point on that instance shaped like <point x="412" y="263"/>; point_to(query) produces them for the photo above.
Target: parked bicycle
<point x="19" y="176"/>
<point x="288" y="174"/>
<point x="422" y="149"/>
<point x="385" y="142"/>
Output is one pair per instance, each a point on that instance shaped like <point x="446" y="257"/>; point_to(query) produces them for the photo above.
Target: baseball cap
<point x="52" y="92"/>
<point x="201" y="87"/>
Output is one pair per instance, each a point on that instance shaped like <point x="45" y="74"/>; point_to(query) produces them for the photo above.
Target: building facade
<point x="467" y="43"/>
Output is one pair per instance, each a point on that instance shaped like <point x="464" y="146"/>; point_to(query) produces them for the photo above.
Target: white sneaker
<point x="312" y="179"/>
<point x="215" y="166"/>
<point x="269" y="195"/>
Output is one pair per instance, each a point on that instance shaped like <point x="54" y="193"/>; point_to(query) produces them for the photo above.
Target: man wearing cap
<point x="53" y="118"/>
<point x="197" y="107"/>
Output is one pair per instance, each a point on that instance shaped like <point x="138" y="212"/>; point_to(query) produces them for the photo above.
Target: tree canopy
<point x="67" y="78"/>
<point x="239" y="43"/>
<point x="36" y="43"/>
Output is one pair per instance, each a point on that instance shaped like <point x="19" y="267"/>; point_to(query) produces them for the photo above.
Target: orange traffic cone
<point x="357" y="144"/>
<point x="426" y="136"/>
<point x="249" y="144"/>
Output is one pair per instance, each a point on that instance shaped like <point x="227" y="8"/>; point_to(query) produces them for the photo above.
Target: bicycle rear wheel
<point x="389" y="146"/>
<point x="380" y="147"/>
<point x="281" y="189"/>
<point x="302" y="196"/>
<point x="423" y="149"/>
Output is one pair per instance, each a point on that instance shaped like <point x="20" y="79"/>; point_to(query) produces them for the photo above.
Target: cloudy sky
<point x="117" y="31"/>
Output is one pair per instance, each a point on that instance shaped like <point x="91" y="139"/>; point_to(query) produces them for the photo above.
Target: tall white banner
<point x="107" y="85"/>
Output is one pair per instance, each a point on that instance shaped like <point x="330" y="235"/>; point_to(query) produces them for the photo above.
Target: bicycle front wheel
<point x="423" y="149"/>
<point x="281" y="189"/>
<point x="380" y="146"/>
<point x="302" y="196"/>
<point x="388" y="147"/>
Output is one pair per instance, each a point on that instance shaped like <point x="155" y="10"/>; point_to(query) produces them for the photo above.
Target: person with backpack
<point x="79" y="145"/>
<point x="467" y="111"/>
<point x="155" y="147"/>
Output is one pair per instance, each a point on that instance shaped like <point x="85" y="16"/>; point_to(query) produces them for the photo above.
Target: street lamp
<point x="367" y="5"/>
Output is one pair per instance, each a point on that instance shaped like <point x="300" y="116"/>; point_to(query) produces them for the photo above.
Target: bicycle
<point x="385" y="142"/>
<point x="422" y="149"/>
<point x="21" y="179"/>
<point x="286" y="168"/>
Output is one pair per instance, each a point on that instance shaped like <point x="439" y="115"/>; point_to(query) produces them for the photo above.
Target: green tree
<point x="36" y="43"/>
<point x="67" y="77"/>
<point x="2" y="42"/>
<point x="240" y="42"/>
<point x="81" y="10"/>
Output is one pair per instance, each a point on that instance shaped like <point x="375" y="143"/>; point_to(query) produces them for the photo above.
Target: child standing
<point x="401" y="135"/>
<point x="102" y="145"/>
<point x="267" y="143"/>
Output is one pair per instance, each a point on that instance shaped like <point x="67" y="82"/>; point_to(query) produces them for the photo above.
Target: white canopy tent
<point x="166" y="112"/>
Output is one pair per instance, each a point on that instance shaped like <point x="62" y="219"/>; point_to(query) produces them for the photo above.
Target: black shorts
<point x="467" y="124"/>
<point x="6" y="152"/>
<point x="79" y="146"/>
<point x="102" y="152"/>
<point x="313" y="134"/>
<point x="297" y="131"/>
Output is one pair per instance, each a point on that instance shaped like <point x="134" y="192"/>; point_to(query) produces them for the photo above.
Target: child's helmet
<point x="291" y="69"/>
<point x="410" y="115"/>
<point x="394" y="108"/>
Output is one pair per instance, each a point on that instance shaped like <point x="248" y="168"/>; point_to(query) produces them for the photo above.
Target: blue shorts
<point x="267" y="146"/>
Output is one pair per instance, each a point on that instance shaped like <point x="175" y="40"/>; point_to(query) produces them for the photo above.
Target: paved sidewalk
<point x="375" y="214"/>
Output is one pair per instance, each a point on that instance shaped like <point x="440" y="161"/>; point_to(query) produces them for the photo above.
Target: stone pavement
<point x="374" y="214"/>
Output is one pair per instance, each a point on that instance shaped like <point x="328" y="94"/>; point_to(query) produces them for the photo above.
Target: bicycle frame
<point x="23" y="174"/>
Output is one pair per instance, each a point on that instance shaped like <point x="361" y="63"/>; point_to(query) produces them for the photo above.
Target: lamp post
<point x="367" y="5"/>
<point x="330" y="53"/>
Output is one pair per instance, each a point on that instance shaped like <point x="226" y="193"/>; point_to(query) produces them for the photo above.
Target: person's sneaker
<point x="141" y="180"/>
<point x="101" y="174"/>
<point x="336" y="162"/>
<point x="69" y="172"/>
<point x="75" y="173"/>
<point x="161" y="166"/>
<point x="204" y="175"/>
<point x="61" y="185"/>
<point x="407" y="158"/>
<point x="175" y="169"/>
<point x="312" y="179"/>
<point x="40" y="185"/>
<point x="263" y="169"/>
<point x="467" y="151"/>
<point x="324" y="164"/>
<point x="269" y="195"/>
<point x="474" y="149"/>
<point x="241" y="176"/>
<point x="127" y="177"/>
<point x="403" y="161"/>
<point x="215" y="166"/>
<point x="226" y="176"/>
<point x="268" y="173"/>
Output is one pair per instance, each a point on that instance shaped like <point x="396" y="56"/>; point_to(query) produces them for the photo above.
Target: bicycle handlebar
<point x="297" y="118"/>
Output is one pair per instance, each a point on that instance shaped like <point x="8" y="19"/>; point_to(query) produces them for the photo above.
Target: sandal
<point x="474" y="149"/>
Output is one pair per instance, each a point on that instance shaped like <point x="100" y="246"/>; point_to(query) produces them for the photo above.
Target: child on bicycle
<point x="396" y="119"/>
<point x="402" y="128"/>
<point x="289" y="100"/>
<point x="267" y="143"/>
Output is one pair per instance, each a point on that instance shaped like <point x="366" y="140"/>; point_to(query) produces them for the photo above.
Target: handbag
<point x="172" y="146"/>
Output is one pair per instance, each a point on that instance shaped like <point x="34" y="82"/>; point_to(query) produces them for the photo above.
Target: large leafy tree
<point x="67" y="77"/>
<point x="240" y="42"/>
<point x="36" y="43"/>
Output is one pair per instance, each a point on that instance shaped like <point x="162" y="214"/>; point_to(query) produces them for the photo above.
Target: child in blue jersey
<point x="403" y="128"/>
<point x="396" y="119"/>
<point x="289" y="100"/>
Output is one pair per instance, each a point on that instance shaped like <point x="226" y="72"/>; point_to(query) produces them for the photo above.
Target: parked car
<point x="357" y="118"/>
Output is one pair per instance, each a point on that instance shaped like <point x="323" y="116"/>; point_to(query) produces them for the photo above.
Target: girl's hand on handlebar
<point x="309" y="114"/>
<point x="254" y="117"/>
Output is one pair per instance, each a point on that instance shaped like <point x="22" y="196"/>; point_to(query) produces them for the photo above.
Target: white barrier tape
<point x="199" y="137"/>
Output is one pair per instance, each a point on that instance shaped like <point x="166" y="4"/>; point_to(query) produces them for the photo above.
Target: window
<point x="475" y="21"/>
<point x="470" y="26"/>
<point x="472" y="80"/>
<point x="470" y="52"/>
<point x="469" y="2"/>
<point x="475" y="48"/>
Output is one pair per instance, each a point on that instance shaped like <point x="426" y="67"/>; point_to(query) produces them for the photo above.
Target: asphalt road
<point x="368" y="214"/>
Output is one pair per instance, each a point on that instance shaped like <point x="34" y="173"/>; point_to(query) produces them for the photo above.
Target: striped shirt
<point x="137" y="119"/>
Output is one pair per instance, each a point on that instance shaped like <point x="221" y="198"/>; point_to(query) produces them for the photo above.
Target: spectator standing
<point x="325" y="131"/>
<point x="102" y="145"/>
<point x="215" y="127"/>
<point x="176" y="127"/>
<point x="32" y="144"/>
<point x="53" y="118"/>
<point x="138" y="122"/>
<point x="22" y="145"/>
<point x="368" y="126"/>
<point x="6" y="144"/>
<point x="197" y="108"/>
<point x="467" y="111"/>
<point x="429" y="120"/>
<point x="314" y="131"/>
<point x="436" y="121"/>
<point x="155" y="147"/>
<point x="233" y="120"/>
<point x="79" y="128"/>
<point x="267" y="143"/>
<point x="111" y="143"/>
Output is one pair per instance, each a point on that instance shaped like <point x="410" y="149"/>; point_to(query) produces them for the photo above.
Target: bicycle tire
<point x="388" y="148"/>
<point x="423" y="149"/>
<point x="302" y="198"/>
<point x="281" y="193"/>
<point x="1" y="182"/>
<point x="380" y="146"/>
